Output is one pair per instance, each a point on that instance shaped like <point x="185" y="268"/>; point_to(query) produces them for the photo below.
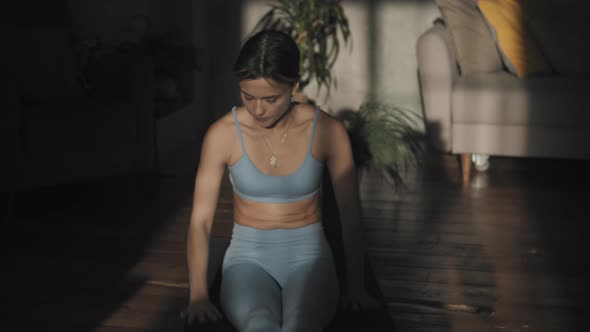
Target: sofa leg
<point x="465" y="167"/>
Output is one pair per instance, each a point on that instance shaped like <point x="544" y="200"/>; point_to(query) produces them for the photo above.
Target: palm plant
<point x="315" y="26"/>
<point x="387" y="137"/>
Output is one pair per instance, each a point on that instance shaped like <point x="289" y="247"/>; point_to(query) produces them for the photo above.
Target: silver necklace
<point x="274" y="159"/>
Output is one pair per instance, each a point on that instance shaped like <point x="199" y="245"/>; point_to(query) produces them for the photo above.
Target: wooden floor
<point x="508" y="252"/>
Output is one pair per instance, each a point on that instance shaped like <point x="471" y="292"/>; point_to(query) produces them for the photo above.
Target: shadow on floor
<point x="68" y="249"/>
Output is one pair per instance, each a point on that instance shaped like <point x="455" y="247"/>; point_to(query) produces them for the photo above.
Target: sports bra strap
<point x="313" y="127"/>
<point x="233" y="110"/>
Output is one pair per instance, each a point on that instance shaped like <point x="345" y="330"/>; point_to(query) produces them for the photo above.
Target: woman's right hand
<point x="200" y="311"/>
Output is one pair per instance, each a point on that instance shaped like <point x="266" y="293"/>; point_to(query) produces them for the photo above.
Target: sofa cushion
<point x="518" y="49"/>
<point x="503" y="99"/>
<point x="474" y="47"/>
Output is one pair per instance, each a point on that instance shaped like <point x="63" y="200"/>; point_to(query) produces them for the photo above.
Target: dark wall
<point x="213" y="28"/>
<point x="35" y="13"/>
<point x="217" y="32"/>
<point x="127" y="21"/>
<point x="224" y="44"/>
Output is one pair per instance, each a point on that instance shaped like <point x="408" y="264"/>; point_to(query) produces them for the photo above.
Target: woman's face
<point x="266" y="100"/>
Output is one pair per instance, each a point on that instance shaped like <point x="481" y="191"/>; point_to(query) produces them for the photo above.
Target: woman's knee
<point x="302" y="323"/>
<point x="310" y="298"/>
<point x="260" y="320"/>
<point x="307" y="318"/>
<point x="251" y="298"/>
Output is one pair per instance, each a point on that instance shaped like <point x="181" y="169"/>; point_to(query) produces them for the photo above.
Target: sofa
<point x="64" y="123"/>
<point x="477" y="107"/>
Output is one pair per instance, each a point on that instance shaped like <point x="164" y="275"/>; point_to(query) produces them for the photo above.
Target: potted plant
<point x="318" y="27"/>
<point x="386" y="137"/>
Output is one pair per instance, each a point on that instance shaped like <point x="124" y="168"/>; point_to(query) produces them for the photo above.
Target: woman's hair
<point x="269" y="54"/>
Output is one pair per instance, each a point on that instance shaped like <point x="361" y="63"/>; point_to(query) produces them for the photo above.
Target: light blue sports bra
<point x="250" y="183"/>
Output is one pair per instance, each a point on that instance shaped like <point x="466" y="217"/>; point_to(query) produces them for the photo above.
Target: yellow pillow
<point x="518" y="49"/>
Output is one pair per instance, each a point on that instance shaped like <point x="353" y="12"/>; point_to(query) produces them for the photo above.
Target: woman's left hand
<point x="358" y="299"/>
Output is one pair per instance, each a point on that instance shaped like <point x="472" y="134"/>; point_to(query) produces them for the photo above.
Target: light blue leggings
<point x="279" y="280"/>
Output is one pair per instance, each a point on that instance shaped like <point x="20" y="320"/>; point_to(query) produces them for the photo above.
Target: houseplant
<point x="318" y="27"/>
<point x="385" y="136"/>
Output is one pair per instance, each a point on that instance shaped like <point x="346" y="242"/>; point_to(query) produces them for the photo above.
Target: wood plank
<point x="506" y="254"/>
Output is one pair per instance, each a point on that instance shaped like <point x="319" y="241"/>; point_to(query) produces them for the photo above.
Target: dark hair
<point x="269" y="54"/>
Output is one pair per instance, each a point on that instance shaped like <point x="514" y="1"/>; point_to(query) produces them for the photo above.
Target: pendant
<point x="274" y="162"/>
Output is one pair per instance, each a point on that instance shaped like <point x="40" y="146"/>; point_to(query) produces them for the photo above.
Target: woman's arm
<point x="344" y="181"/>
<point x="209" y="175"/>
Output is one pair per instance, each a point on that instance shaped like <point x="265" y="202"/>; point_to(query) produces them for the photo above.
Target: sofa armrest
<point x="437" y="71"/>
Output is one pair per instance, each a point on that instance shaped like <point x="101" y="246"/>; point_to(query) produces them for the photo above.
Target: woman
<point x="278" y="273"/>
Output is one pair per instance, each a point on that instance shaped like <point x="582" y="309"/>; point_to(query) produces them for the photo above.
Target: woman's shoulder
<point x="308" y="112"/>
<point x="222" y="129"/>
<point x="328" y="122"/>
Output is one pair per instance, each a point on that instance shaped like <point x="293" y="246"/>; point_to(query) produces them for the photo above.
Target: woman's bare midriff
<point x="276" y="215"/>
